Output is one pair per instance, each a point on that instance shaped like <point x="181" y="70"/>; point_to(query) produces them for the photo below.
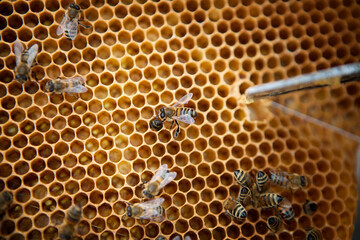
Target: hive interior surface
<point x="95" y="150"/>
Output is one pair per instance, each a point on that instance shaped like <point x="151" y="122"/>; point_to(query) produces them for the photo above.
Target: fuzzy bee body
<point x="151" y="210"/>
<point x="243" y="178"/>
<point x="289" y="181"/>
<point x="309" y="207"/>
<point x="314" y="234"/>
<point x="244" y="195"/>
<point x="73" y="217"/>
<point x="69" y="85"/>
<point x="235" y="209"/>
<point x="69" y="23"/>
<point x="286" y="210"/>
<point x="24" y="60"/>
<point x="161" y="178"/>
<point x="174" y="114"/>
<point x="274" y="223"/>
<point x="262" y="182"/>
<point x="268" y="200"/>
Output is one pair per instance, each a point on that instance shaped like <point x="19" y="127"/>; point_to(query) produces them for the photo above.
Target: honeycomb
<point x="138" y="55"/>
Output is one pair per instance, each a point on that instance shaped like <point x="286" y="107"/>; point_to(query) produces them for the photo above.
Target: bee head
<point x="147" y="194"/>
<point x="75" y="6"/>
<point x="129" y="211"/>
<point x="162" y="114"/>
<point x="244" y="190"/>
<point x="49" y="86"/>
<point x="303" y="181"/>
<point x="21" y="77"/>
<point x="156" y="124"/>
<point x="271" y="220"/>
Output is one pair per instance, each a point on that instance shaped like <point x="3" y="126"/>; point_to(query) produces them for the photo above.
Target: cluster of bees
<point x="149" y="210"/>
<point x="25" y="59"/>
<point x="257" y="194"/>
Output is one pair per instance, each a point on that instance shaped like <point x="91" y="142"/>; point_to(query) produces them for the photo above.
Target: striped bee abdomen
<point x="186" y="111"/>
<point x="70" y="33"/>
<point x="238" y="212"/>
<point x="243" y="194"/>
<point x="262" y="181"/>
<point x="279" y="179"/>
<point x="287" y="212"/>
<point x="314" y="234"/>
<point x="274" y="223"/>
<point x="269" y="200"/>
<point x="243" y="178"/>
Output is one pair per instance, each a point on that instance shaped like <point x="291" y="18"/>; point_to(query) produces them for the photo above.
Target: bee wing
<point x="33" y="50"/>
<point x="184" y="100"/>
<point x="279" y="174"/>
<point x="152" y="203"/>
<point x="149" y="212"/>
<point x="160" y="172"/>
<point x="159" y="218"/>
<point x="185" y="119"/>
<point x="18" y="49"/>
<point x="72" y="27"/>
<point x="285" y="203"/>
<point x="61" y="26"/>
<point x="168" y="178"/>
<point x="79" y="88"/>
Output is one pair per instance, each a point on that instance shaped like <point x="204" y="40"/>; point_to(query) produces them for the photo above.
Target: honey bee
<point x="174" y="114"/>
<point x="69" y="85"/>
<point x="244" y="195"/>
<point x="274" y="224"/>
<point x="314" y="234"/>
<point x="268" y="200"/>
<point x="5" y="200"/>
<point x="290" y="181"/>
<point x="286" y="210"/>
<point x="151" y="210"/>
<point x="24" y="60"/>
<point x="73" y="216"/>
<point x="243" y="178"/>
<point x="70" y="22"/>
<point x="161" y="178"/>
<point x="262" y="182"/>
<point x="235" y="209"/>
<point x="309" y="207"/>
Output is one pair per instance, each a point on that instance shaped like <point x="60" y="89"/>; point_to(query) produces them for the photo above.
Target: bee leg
<point x="172" y="124"/>
<point x="177" y="130"/>
<point x="84" y="26"/>
<point x="34" y="75"/>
